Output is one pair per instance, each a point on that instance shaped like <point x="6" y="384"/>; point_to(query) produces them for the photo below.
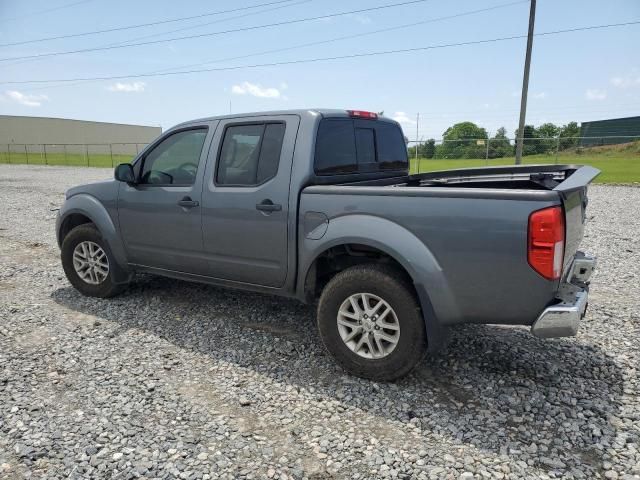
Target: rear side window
<point x="250" y="154"/>
<point x="358" y="146"/>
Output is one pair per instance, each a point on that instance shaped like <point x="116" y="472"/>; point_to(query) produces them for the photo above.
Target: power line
<point x="319" y="42"/>
<point x="346" y="37"/>
<point x="48" y="10"/>
<point x="323" y="59"/>
<point x="222" y="32"/>
<point x="140" y="25"/>
<point x="191" y="27"/>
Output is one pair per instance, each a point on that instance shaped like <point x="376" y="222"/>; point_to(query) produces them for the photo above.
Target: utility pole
<point x="525" y="84"/>
<point x="486" y="152"/>
<point x="417" y="123"/>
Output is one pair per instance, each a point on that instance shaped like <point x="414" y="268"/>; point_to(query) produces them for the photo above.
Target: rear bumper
<point x="563" y="318"/>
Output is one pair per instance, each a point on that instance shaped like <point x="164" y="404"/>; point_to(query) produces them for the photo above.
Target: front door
<point x="245" y="202"/>
<point x="160" y="216"/>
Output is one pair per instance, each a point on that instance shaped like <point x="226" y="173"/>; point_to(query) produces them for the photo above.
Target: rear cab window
<point x="346" y="145"/>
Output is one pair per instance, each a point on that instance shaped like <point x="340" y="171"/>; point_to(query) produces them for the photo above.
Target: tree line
<point x="468" y="140"/>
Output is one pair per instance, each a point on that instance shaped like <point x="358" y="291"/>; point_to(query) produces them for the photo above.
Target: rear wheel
<point x="87" y="262"/>
<point x="370" y="322"/>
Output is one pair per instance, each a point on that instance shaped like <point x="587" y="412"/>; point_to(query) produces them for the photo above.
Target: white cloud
<point x="540" y="95"/>
<point x="402" y="118"/>
<point x="595" y="94"/>
<point x="627" y="81"/>
<point x="25" y="99"/>
<point x="248" y="88"/>
<point x="127" y="87"/>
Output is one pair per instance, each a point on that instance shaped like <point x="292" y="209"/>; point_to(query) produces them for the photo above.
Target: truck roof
<point x="309" y="112"/>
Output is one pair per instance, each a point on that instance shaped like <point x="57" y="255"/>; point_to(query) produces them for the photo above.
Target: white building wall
<point x="41" y="130"/>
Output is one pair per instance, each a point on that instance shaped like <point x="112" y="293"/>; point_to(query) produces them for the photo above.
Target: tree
<point x="429" y="149"/>
<point x="460" y="141"/>
<point x="546" y="135"/>
<point x="425" y="150"/>
<point x="571" y="129"/>
<point x="500" y="146"/>
<point x="529" y="145"/>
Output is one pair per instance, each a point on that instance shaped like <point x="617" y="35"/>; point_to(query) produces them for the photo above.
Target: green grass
<point x="618" y="164"/>
<point x="70" y="159"/>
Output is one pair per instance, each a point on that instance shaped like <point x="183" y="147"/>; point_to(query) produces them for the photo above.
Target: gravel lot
<point x="173" y="379"/>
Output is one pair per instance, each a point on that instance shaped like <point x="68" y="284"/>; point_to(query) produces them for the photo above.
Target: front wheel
<point x="87" y="262"/>
<point x="370" y="322"/>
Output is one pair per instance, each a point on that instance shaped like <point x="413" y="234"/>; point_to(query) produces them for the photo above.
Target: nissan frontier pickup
<point x="319" y="205"/>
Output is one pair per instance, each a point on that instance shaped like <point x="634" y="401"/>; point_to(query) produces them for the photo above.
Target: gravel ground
<point x="181" y="380"/>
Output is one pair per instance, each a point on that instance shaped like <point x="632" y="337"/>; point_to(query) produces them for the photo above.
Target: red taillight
<point x="546" y="242"/>
<point x="362" y="114"/>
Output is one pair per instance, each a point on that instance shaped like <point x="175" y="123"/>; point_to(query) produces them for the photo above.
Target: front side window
<point x="250" y="154"/>
<point x="174" y="161"/>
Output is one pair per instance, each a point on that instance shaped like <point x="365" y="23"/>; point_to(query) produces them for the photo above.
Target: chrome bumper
<point x="563" y="319"/>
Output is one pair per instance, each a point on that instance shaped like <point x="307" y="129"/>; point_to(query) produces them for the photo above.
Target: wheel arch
<point x="387" y="242"/>
<point x="82" y="209"/>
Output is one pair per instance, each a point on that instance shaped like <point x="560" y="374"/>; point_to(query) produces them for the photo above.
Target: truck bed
<point x="525" y="177"/>
<point x="473" y="223"/>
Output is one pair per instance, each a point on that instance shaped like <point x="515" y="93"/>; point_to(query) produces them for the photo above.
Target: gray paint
<point x="464" y="248"/>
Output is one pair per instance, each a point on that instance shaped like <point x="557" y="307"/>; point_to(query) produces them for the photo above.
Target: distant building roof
<point x="9" y="117"/>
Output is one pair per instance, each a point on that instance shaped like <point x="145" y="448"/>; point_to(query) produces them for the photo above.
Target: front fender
<point x="399" y="243"/>
<point x="92" y="208"/>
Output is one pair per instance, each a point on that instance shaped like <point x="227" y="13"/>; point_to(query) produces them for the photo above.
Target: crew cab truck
<point x="319" y="205"/>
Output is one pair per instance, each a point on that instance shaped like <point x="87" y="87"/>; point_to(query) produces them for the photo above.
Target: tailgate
<point x="573" y="192"/>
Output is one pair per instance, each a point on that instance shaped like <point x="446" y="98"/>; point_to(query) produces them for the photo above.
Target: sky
<point x="577" y="76"/>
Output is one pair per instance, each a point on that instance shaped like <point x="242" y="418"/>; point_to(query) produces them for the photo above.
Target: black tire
<point x="391" y="286"/>
<point x="88" y="232"/>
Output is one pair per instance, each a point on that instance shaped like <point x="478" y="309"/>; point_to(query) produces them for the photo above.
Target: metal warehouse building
<point x="76" y="134"/>
<point x="609" y="132"/>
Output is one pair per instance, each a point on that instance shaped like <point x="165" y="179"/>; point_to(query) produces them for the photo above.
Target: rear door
<point x="245" y="199"/>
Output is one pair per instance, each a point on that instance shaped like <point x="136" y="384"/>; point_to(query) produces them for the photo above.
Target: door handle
<point x="268" y="206"/>
<point x="186" y="202"/>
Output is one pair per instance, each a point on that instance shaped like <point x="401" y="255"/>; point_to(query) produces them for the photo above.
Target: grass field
<point x="618" y="163"/>
<point x="70" y="159"/>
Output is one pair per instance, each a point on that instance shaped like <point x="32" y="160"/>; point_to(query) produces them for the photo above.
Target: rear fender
<point x="434" y="294"/>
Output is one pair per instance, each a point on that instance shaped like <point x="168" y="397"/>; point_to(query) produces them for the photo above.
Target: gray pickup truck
<point x="318" y="205"/>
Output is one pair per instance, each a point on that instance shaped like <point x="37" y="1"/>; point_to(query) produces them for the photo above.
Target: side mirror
<point x="124" y="173"/>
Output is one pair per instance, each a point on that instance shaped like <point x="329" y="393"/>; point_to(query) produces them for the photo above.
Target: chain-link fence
<point x="432" y="154"/>
<point x="76" y="154"/>
<point x="617" y="156"/>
